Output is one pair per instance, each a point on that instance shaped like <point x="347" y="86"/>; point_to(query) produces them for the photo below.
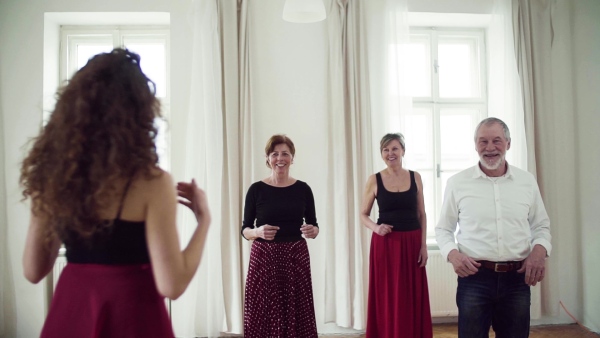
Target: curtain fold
<point x="506" y="101"/>
<point x="246" y="139"/>
<point x="505" y="98"/>
<point x="349" y="145"/>
<point x="533" y="35"/>
<point x="3" y="232"/>
<point x="213" y="302"/>
<point x="389" y="39"/>
<point x="367" y="88"/>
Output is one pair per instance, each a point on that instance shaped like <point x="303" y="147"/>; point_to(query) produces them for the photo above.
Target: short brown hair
<point x="276" y="140"/>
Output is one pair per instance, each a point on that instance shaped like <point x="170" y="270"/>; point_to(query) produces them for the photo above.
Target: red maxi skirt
<point x="112" y="301"/>
<point x="398" y="303"/>
<point x="279" y="296"/>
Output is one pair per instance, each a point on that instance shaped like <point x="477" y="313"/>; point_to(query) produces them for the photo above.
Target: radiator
<point x="442" y="286"/>
<point x="59" y="265"/>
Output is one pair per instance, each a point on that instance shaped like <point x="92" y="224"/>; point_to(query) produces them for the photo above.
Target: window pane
<point x="417" y="129"/>
<point x="162" y="147"/>
<point x="419" y="66"/>
<point x="458" y="62"/>
<point x="457" y="126"/>
<point x="86" y="51"/>
<point x="153" y="63"/>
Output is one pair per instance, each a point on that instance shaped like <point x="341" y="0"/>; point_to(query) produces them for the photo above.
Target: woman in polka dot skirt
<point x="279" y="213"/>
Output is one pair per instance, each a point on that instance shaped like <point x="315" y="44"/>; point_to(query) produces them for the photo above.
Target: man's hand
<point x="463" y="265"/>
<point x="534" y="265"/>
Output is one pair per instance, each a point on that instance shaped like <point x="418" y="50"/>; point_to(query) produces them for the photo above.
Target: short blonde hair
<point x="387" y="138"/>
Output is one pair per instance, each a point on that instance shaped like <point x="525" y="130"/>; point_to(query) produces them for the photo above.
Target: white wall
<point x="586" y="69"/>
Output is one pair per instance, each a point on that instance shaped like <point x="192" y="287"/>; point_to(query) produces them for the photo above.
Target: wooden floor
<point x="550" y="331"/>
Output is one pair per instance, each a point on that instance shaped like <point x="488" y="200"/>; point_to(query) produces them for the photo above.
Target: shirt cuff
<point x="445" y="250"/>
<point x="545" y="243"/>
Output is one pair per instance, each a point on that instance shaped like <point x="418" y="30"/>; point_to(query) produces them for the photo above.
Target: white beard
<point x="491" y="166"/>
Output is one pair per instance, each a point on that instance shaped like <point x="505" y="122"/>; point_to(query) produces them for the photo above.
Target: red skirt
<point x="279" y="296"/>
<point x="93" y="300"/>
<point x="398" y="294"/>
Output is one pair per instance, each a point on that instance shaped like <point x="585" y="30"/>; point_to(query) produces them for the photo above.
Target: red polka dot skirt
<point x="279" y="297"/>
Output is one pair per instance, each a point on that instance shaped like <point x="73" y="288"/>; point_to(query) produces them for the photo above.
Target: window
<point x="80" y="43"/>
<point x="448" y="90"/>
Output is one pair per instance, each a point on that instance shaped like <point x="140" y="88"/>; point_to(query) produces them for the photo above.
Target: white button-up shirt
<point x="499" y="218"/>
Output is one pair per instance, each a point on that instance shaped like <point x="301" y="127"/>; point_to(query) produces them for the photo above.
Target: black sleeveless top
<point x="398" y="209"/>
<point x="122" y="243"/>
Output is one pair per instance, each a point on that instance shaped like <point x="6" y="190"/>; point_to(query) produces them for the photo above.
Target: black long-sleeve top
<point x="286" y="207"/>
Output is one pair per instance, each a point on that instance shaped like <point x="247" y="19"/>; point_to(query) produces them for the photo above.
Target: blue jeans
<point x="501" y="299"/>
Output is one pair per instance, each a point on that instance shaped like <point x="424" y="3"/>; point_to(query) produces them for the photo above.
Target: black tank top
<point x="122" y="243"/>
<point x="398" y="209"/>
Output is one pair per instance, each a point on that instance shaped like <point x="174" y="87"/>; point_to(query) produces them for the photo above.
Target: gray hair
<point x="489" y="121"/>
<point x="387" y="138"/>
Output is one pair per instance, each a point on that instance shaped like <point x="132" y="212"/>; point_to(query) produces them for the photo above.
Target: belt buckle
<point x="501" y="267"/>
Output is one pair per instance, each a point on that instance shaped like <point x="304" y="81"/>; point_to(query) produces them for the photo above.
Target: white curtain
<point x="246" y="139"/>
<point x="389" y="62"/>
<point x="506" y="100"/>
<point x="3" y="231"/>
<point x="349" y="144"/>
<point x="534" y="34"/>
<point x="367" y="87"/>
<point x="213" y="302"/>
<point x="504" y="85"/>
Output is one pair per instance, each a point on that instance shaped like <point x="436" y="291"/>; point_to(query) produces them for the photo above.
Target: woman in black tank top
<point x="397" y="276"/>
<point x="98" y="150"/>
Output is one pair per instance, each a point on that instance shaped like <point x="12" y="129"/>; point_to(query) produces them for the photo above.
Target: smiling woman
<point x="279" y="214"/>
<point x="397" y="277"/>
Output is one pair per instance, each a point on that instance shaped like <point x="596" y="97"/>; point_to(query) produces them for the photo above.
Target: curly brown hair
<point x="100" y="134"/>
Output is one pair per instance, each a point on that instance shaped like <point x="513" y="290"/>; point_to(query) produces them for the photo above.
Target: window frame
<point x="436" y="104"/>
<point x="72" y="36"/>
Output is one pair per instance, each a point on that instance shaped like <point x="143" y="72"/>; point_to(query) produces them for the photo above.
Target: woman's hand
<point x="194" y="198"/>
<point x="309" y="230"/>
<point x="423" y="256"/>
<point x="266" y="232"/>
<point x="383" y="229"/>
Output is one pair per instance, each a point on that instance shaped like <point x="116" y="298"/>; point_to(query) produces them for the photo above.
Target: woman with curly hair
<point x="95" y="187"/>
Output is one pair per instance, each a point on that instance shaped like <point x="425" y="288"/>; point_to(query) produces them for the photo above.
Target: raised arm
<point x="173" y="268"/>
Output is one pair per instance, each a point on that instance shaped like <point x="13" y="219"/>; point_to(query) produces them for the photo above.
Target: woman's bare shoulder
<point x="155" y="180"/>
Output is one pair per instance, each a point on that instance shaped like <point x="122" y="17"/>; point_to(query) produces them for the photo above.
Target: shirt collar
<point x="479" y="173"/>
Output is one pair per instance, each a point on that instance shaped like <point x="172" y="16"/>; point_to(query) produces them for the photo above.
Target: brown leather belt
<point x="502" y="266"/>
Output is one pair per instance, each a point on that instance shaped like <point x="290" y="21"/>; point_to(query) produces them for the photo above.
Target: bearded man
<point x="502" y="242"/>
